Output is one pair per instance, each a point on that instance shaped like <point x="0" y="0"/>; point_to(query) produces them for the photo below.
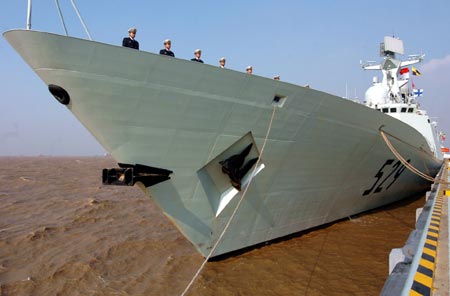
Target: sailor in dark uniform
<point x="197" y="53"/>
<point x="130" y="41"/>
<point x="166" y="50"/>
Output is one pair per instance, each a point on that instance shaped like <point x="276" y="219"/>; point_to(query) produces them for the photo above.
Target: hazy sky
<point x="306" y="42"/>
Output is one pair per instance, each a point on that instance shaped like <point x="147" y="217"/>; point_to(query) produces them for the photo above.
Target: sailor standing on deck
<point x="222" y="63"/>
<point x="166" y="50"/>
<point x="197" y="54"/>
<point x="130" y="41"/>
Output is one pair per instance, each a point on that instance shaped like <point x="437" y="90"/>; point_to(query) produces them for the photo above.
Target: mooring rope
<point x="407" y="164"/>
<point x="236" y="208"/>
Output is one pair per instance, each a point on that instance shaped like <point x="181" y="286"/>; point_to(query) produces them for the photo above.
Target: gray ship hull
<point x="324" y="158"/>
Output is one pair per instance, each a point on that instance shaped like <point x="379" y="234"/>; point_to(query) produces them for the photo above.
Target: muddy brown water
<point x="63" y="233"/>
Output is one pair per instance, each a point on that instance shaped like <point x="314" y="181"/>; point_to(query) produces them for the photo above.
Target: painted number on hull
<point x="386" y="176"/>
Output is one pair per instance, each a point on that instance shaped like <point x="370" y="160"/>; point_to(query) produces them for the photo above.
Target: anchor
<point x="235" y="168"/>
<point x="128" y="175"/>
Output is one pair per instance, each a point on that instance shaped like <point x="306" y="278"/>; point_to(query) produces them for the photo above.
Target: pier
<point x="421" y="266"/>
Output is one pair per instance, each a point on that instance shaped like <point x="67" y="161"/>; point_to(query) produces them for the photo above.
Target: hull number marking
<point x="391" y="170"/>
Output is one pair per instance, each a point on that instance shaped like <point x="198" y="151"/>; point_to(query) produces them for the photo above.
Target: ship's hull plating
<point x="324" y="158"/>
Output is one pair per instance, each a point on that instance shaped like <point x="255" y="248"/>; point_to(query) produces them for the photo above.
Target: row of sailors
<point x="131" y="42"/>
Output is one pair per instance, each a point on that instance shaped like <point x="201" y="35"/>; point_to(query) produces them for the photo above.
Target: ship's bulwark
<point x="324" y="158"/>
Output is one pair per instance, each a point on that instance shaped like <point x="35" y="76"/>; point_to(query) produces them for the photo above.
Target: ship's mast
<point x="392" y="89"/>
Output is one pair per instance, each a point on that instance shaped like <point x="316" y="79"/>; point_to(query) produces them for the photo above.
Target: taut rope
<point x="235" y="209"/>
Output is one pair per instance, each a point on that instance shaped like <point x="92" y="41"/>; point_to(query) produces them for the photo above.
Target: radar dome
<point x="376" y="95"/>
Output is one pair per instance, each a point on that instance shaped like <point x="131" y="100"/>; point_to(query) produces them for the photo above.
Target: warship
<point x="234" y="160"/>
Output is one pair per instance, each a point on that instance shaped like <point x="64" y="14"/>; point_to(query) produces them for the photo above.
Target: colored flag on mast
<point x="404" y="73"/>
<point x="416" y="72"/>
<point x="417" y="92"/>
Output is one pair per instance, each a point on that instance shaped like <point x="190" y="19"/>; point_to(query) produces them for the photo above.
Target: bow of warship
<point x="218" y="149"/>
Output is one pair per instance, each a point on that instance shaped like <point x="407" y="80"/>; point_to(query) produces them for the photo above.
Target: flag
<point x="418" y="92"/>
<point x="404" y="71"/>
<point x="416" y="72"/>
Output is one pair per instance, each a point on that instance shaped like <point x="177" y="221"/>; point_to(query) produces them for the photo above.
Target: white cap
<point x="132" y="30"/>
<point x="249" y="67"/>
<point x="198" y="50"/>
<point x="222" y="59"/>
<point x="167" y="41"/>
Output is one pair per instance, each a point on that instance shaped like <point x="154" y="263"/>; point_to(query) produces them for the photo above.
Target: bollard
<point x="418" y="212"/>
<point x="395" y="257"/>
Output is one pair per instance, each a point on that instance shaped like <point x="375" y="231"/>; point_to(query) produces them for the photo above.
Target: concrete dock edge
<point x="421" y="266"/>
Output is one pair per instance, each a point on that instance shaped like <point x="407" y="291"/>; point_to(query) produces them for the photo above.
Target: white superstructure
<point x="395" y="96"/>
